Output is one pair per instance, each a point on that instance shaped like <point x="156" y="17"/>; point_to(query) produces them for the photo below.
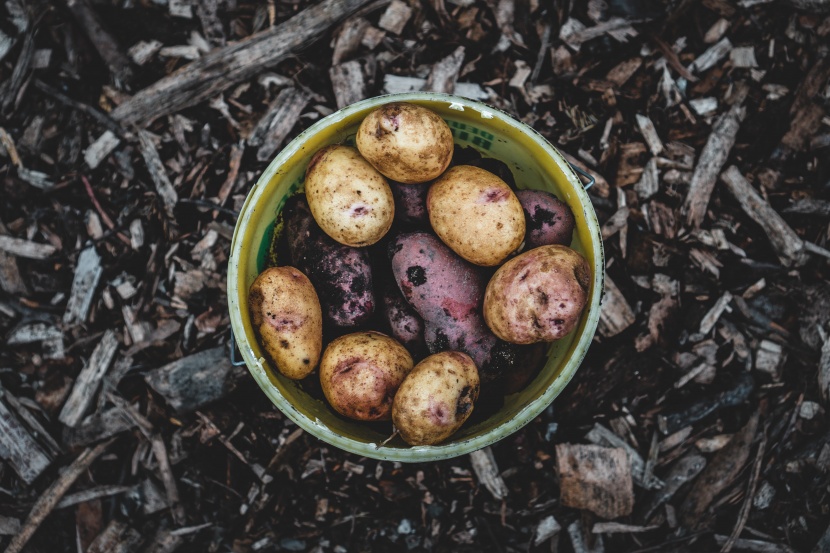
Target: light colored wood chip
<point x="395" y="84"/>
<point x="769" y="357"/>
<point x="547" y="529"/>
<point x="596" y="478"/>
<point x="711" y="56"/>
<point x="117" y="537"/>
<point x="87" y="274"/>
<point x="25" y="248"/>
<point x="9" y="526"/>
<point x="786" y="243"/>
<point x="444" y="74"/>
<point x="616" y="314"/>
<point x="100" y="149"/>
<point x="18" y="448"/>
<point x="142" y="52"/>
<point x="650" y="134"/>
<point x="712" y="158"/>
<point x="348" y="83"/>
<point x="87" y="383"/>
<point x="348" y="39"/>
<point x="158" y="174"/>
<point x="712" y="316"/>
<point x="620" y="528"/>
<point x="281" y="116"/>
<point x="743" y="57"/>
<point x="716" y="31"/>
<point x="484" y="465"/>
<point x="395" y="17"/>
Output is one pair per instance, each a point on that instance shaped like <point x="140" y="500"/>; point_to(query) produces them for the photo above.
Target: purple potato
<point x="411" y="202"/>
<point x="549" y="220"/>
<point x="404" y="322"/>
<point x="341" y="275"/>
<point x="446" y="291"/>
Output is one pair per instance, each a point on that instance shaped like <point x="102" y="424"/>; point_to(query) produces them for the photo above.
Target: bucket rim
<point x="446" y="450"/>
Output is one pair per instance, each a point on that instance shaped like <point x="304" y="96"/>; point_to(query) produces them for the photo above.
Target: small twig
<point x="52" y="496"/>
<point x="104" y="216"/>
<point x="750" y="494"/>
<point x="673" y="60"/>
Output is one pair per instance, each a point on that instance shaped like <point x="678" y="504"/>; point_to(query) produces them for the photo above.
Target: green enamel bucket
<point x="535" y="164"/>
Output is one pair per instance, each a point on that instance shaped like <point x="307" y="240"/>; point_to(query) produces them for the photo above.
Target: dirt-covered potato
<point x="406" y="325"/>
<point x="549" y="220"/>
<point x="361" y="372"/>
<point x="411" y="202"/>
<point x="436" y="398"/>
<point x="342" y="275"/>
<point x="447" y="293"/>
<point x="349" y="199"/>
<point x="476" y="214"/>
<point x="537" y="296"/>
<point x="288" y="320"/>
<point x="406" y="142"/>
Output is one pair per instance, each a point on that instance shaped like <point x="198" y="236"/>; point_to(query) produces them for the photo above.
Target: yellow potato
<point x="537" y="296"/>
<point x="436" y="398"/>
<point x="288" y="320"/>
<point x="361" y="372"/>
<point x="406" y="142"/>
<point x="348" y="198"/>
<point x="476" y="214"/>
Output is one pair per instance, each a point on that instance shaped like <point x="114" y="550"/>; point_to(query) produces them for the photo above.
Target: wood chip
<point x="180" y="8"/>
<point x="581" y="543"/>
<point x="195" y="380"/>
<point x="682" y="471"/>
<point x="117" y="537"/>
<point x="348" y="39"/>
<point x="484" y="465"/>
<point x="595" y="478"/>
<point x="547" y="529"/>
<point x="236" y="62"/>
<point x="806" y="113"/>
<point x="31" y="333"/>
<point x="157" y="172"/>
<point x="617" y="221"/>
<point x="100" y="149"/>
<point x="53" y="494"/>
<point x="769" y="358"/>
<point x="143" y="51"/>
<point x="19" y="449"/>
<point x="786" y="243"/>
<point x="743" y="57"/>
<point x="712" y="158"/>
<point x="719" y="473"/>
<point x="711" y="56"/>
<point x="90" y="494"/>
<point x="89" y="379"/>
<point x="619" y="528"/>
<point x="25" y="248"/>
<point x="348" y="83"/>
<point x="712" y="316"/>
<point x="104" y="43"/>
<point x="394" y="84"/>
<point x="758" y="546"/>
<point x="716" y="31"/>
<point x="616" y="314"/>
<point x="444" y="74"/>
<point x="599" y="435"/>
<point x="650" y="134"/>
<point x="87" y="274"/>
<point x="649" y="183"/>
<point x="275" y="125"/>
<point x="9" y="526"/>
<point x="395" y="17"/>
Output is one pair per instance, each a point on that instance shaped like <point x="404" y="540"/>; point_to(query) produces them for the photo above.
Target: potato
<point x="436" y="398"/>
<point x="447" y="293"/>
<point x="476" y="214"/>
<point x="405" y="142"/>
<point x="406" y="325"/>
<point x="287" y="319"/>
<point x="411" y="202"/>
<point x="549" y="220"/>
<point x="349" y="199"/>
<point x="537" y="296"/>
<point x="342" y="275"/>
<point x="361" y="372"/>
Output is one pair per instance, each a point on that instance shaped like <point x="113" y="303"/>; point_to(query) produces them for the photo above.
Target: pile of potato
<point x="386" y="237"/>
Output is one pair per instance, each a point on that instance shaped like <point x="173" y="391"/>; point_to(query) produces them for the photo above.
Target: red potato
<point x="537" y="296"/>
<point x="446" y="291"/>
<point x="404" y="322"/>
<point x="549" y="220"/>
<point x="361" y="372"/>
